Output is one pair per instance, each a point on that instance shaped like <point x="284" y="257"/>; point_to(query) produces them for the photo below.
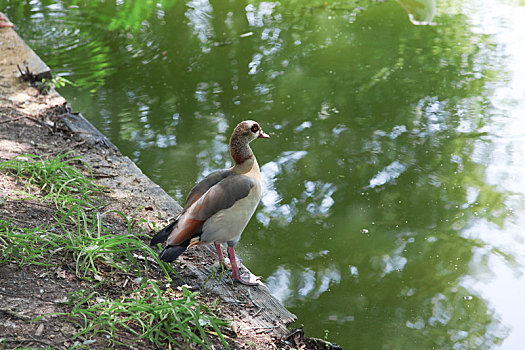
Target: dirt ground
<point x="32" y="122"/>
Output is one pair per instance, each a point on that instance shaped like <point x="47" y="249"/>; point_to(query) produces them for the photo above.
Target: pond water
<point x="393" y="213"/>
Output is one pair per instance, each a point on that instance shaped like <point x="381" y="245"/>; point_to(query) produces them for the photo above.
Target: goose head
<point x="244" y="133"/>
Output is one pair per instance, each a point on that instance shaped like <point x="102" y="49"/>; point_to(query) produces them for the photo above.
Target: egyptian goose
<point x="219" y="207"/>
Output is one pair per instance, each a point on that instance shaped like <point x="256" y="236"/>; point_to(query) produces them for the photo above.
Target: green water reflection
<point x="382" y="134"/>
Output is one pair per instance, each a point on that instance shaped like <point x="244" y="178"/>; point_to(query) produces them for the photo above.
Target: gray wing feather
<point x="223" y="195"/>
<point x="206" y="183"/>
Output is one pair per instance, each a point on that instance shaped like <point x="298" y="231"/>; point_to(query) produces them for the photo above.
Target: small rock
<point x="61" y="273"/>
<point x="39" y="330"/>
<point x="63" y="300"/>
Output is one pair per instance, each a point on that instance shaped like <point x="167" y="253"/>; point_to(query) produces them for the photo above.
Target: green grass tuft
<point x="81" y="236"/>
<point x="56" y="178"/>
<point x="149" y="314"/>
<point x="26" y="246"/>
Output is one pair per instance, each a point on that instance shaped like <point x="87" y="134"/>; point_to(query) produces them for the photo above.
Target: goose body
<point x="227" y="224"/>
<point x="220" y="206"/>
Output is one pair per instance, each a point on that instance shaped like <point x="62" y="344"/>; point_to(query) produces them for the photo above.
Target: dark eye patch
<point x="255" y="128"/>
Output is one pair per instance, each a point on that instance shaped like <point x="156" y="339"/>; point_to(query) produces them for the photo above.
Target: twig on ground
<point x="10" y="120"/>
<point x="26" y="75"/>
<point x="15" y="314"/>
<point x="24" y="340"/>
<point x="254" y="303"/>
<point x="255" y="328"/>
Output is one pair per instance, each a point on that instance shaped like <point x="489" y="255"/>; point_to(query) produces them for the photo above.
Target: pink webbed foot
<point x="236" y="276"/>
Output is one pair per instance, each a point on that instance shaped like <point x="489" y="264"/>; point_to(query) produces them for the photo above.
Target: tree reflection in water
<point x="378" y="222"/>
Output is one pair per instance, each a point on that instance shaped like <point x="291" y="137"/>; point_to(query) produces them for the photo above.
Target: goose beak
<point x="263" y="135"/>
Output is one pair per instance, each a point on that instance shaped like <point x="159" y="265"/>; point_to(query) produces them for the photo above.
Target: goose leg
<point x="236" y="276"/>
<point x="222" y="262"/>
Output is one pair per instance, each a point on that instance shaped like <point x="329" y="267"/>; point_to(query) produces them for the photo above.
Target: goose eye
<point x="255" y="128"/>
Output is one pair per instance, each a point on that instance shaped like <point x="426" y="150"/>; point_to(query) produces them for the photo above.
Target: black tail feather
<point x="163" y="234"/>
<point x="172" y="252"/>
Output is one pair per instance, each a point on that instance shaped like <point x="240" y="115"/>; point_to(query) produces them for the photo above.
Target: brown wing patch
<point x="186" y="229"/>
